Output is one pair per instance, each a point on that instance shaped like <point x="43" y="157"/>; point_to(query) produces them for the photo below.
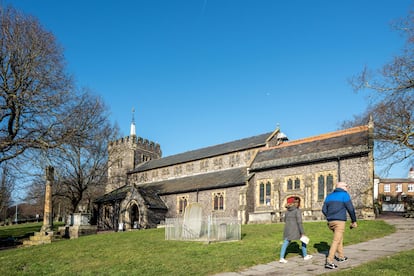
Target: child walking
<point x="293" y="228"/>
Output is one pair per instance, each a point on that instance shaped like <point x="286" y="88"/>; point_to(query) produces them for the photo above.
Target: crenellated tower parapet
<point x="138" y="142"/>
<point x="127" y="153"/>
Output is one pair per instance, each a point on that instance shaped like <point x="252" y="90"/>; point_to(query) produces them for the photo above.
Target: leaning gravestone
<point x="192" y="221"/>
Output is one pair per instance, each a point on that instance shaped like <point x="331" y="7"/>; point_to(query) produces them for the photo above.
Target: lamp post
<point x="15" y="219"/>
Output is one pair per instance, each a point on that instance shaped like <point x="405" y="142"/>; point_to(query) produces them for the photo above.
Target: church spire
<point x="133" y="124"/>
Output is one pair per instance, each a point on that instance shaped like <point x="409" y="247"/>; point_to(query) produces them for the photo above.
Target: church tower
<point x="127" y="153"/>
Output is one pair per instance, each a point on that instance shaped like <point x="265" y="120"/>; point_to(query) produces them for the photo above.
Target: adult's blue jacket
<point x="337" y="204"/>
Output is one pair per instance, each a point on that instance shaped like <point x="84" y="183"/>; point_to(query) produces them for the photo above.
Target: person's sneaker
<point x="283" y="261"/>
<point x="307" y="257"/>
<point x="331" y="266"/>
<point x="341" y="260"/>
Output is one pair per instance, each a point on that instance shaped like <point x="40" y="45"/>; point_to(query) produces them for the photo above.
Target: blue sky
<point x="204" y="72"/>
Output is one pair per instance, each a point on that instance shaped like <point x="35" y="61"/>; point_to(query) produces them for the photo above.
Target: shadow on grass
<point x="322" y="247"/>
<point x="12" y="242"/>
<point x="294" y="248"/>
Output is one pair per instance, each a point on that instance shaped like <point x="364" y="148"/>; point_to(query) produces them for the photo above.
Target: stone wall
<point x="213" y="164"/>
<point x="205" y="198"/>
<point x="354" y="171"/>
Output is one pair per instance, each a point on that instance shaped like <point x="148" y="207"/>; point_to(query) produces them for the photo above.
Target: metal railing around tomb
<point x="203" y="229"/>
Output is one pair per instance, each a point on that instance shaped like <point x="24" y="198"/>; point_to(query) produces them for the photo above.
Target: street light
<point x="15" y="219"/>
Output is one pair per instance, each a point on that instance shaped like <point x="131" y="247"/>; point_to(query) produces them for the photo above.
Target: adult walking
<point x="293" y="228"/>
<point x="335" y="208"/>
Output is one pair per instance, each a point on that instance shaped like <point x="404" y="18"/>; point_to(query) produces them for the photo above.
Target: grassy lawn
<point x="148" y="253"/>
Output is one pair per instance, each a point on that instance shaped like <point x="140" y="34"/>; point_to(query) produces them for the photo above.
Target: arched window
<point x="289" y="184"/>
<point x="265" y="191"/>
<point x="297" y="184"/>
<point x="325" y="185"/>
<point x="218" y="201"/>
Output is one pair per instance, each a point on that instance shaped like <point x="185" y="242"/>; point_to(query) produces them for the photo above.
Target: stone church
<point x="249" y="179"/>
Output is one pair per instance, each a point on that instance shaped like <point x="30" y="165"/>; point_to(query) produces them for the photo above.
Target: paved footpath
<point x="401" y="240"/>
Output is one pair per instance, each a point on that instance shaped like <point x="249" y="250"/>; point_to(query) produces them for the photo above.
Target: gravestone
<point x="80" y="226"/>
<point x="192" y="221"/>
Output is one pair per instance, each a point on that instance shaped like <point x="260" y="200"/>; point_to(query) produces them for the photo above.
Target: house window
<point x="398" y="188"/>
<point x="325" y="185"/>
<point x="410" y="188"/>
<point x="218" y="201"/>
<point x="387" y="188"/>
<point x="265" y="191"/>
<point x="387" y="198"/>
<point x="182" y="204"/>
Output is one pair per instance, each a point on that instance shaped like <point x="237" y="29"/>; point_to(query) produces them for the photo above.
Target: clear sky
<point x="205" y="72"/>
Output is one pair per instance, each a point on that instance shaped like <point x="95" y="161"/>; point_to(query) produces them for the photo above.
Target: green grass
<point x="148" y="253"/>
<point x="23" y="230"/>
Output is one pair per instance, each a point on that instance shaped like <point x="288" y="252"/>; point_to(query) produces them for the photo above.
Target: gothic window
<point x="293" y="184"/>
<point x="297" y="183"/>
<point x="289" y="184"/>
<point x="189" y="167"/>
<point x="165" y="172"/>
<point x="218" y="162"/>
<point x="329" y="183"/>
<point x="177" y="170"/>
<point x="234" y="160"/>
<point x="321" y="188"/>
<point x="325" y="185"/>
<point x="203" y="164"/>
<point x="265" y="191"/>
<point x="182" y="204"/>
<point x="218" y="201"/>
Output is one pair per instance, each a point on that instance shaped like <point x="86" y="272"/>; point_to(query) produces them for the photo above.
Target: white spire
<point x="133" y="124"/>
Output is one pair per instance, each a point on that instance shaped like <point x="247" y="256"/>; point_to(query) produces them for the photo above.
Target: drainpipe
<point x="339" y="169"/>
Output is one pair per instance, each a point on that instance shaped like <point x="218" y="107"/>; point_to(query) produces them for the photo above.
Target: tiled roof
<point x="151" y="191"/>
<point x="213" y="180"/>
<point x="342" y="143"/>
<point x="243" y="144"/>
<point x="150" y="197"/>
<point x="114" y="195"/>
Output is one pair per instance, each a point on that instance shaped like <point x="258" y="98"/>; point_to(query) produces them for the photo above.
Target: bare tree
<point x="6" y="189"/>
<point x="35" y="90"/>
<point x="391" y="103"/>
<point x="81" y="163"/>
